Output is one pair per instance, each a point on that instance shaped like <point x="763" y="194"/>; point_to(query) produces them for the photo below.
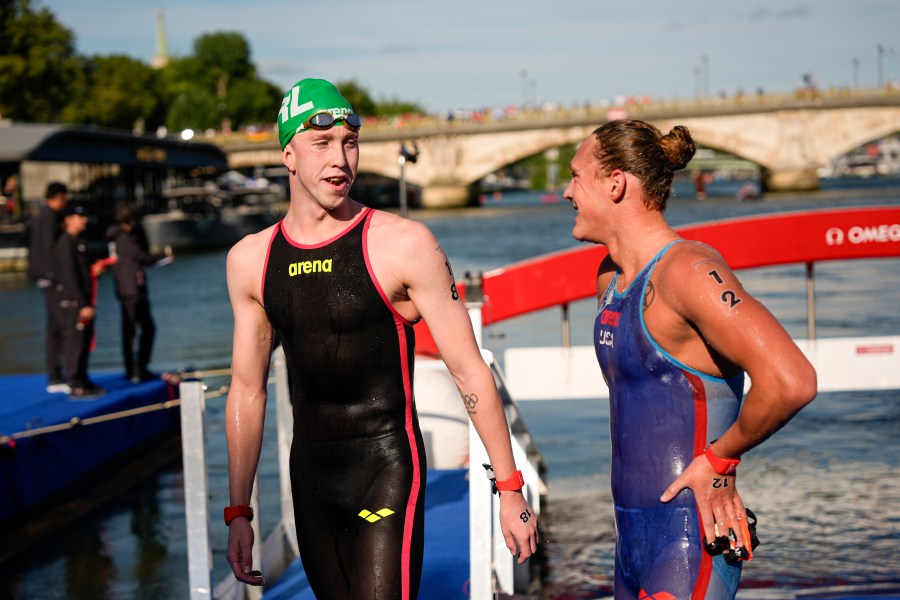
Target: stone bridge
<point x="789" y="136"/>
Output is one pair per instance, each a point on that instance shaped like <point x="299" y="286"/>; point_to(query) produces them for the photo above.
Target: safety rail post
<point x="504" y="564"/>
<point x="252" y="592"/>
<point x="474" y="301"/>
<point x="511" y="576"/>
<point x="566" y="326"/>
<point x="481" y="564"/>
<point x="504" y="561"/>
<point x="492" y="567"/>
<point x="481" y="501"/>
<point x="196" y="492"/>
<point x="810" y="301"/>
<point x="285" y="424"/>
<point x="491" y="564"/>
<point x="401" y="162"/>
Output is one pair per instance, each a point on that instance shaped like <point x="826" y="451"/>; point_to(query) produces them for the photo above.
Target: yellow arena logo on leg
<point x="371" y="517"/>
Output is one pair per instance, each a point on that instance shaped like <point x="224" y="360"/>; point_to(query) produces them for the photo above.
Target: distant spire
<point x="161" y="58"/>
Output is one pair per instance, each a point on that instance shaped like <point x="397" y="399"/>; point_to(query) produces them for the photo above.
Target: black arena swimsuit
<point x="357" y="458"/>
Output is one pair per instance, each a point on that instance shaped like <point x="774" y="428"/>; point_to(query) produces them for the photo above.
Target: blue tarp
<point x="34" y="469"/>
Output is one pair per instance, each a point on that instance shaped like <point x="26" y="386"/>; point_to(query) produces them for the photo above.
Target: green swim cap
<point x="306" y="98"/>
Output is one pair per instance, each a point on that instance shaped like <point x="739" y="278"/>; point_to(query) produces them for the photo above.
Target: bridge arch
<point x="790" y="145"/>
<point x="449" y="164"/>
<point x="789" y="138"/>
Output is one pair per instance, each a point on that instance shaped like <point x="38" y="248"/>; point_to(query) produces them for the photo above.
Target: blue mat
<point x="445" y="571"/>
<point x="33" y="470"/>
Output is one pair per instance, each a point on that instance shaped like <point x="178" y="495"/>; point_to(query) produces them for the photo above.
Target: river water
<point x="826" y="488"/>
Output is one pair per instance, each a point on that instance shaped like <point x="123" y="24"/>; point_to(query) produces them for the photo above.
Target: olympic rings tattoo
<point x="470" y="400"/>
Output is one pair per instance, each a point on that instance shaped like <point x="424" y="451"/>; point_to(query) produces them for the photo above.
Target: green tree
<point x="224" y="59"/>
<point x="120" y="92"/>
<point x="390" y="108"/>
<point x="192" y="98"/>
<point x="191" y="107"/>
<point x="253" y="101"/>
<point x="362" y="102"/>
<point x="357" y="96"/>
<point x="223" y="56"/>
<point x="38" y="64"/>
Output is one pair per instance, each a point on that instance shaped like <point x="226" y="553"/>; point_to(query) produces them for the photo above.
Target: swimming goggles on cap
<point x="326" y="120"/>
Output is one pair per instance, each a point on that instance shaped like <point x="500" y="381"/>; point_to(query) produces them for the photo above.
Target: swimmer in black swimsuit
<point x="674" y="334"/>
<point x="335" y="282"/>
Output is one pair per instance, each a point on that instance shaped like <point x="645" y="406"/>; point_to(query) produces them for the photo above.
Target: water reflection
<point x="89" y="569"/>
<point x="826" y="488"/>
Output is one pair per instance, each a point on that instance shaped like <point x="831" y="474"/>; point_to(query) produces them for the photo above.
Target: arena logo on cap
<point x="335" y="112"/>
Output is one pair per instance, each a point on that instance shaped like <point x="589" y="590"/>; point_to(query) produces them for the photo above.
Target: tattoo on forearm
<point x="525" y="516"/>
<point x="470" y="400"/>
<point x="729" y="297"/>
<point x="649" y="295"/>
<point x="453" y="292"/>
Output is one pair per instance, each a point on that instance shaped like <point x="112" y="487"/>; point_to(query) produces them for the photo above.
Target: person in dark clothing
<point x="72" y="292"/>
<point x="132" y="252"/>
<point x="42" y="270"/>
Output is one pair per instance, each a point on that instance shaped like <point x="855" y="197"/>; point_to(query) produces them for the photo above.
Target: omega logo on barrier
<point x="874" y="234"/>
<point x="834" y="236"/>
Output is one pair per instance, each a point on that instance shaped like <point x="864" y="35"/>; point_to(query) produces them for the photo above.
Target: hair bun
<point x="678" y="147"/>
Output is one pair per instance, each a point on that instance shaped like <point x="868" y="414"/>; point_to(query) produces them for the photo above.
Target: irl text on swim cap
<point x="291" y="108"/>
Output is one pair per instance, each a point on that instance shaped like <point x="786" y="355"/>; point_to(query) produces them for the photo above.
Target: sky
<point x="471" y="54"/>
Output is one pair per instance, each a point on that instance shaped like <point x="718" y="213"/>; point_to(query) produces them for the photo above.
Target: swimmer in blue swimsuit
<point x="674" y="333"/>
<point x="341" y="286"/>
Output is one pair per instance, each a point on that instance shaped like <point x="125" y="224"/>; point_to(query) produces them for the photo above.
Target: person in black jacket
<point x="132" y="255"/>
<point x="73" y="294"/>
<point x="41" y="268"/>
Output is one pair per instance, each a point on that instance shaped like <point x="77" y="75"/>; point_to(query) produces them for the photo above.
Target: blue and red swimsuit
<point x="663" y="414"/>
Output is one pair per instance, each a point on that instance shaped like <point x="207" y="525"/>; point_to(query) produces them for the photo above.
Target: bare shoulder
<point x="251" y="247"/>
<point x="693" y="259"/>
<point x="394" y="234"/>
<point x="246" y="261"/>
<point x="694" y="276"/>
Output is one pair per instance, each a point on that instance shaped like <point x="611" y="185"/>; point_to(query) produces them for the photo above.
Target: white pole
<point x="285" y="415"/>
<point x="481" y="501"/>
<point x="196" y="506"/>
<point x="480" y="522"/>
<point x="810" y="301"/>
<point x="401" y="160"/>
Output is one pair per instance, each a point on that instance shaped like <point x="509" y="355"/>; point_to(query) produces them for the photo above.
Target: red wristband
<point x="233" y="512"/>
<point x="514" y="483"/>
<point x="722" y="466"/>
